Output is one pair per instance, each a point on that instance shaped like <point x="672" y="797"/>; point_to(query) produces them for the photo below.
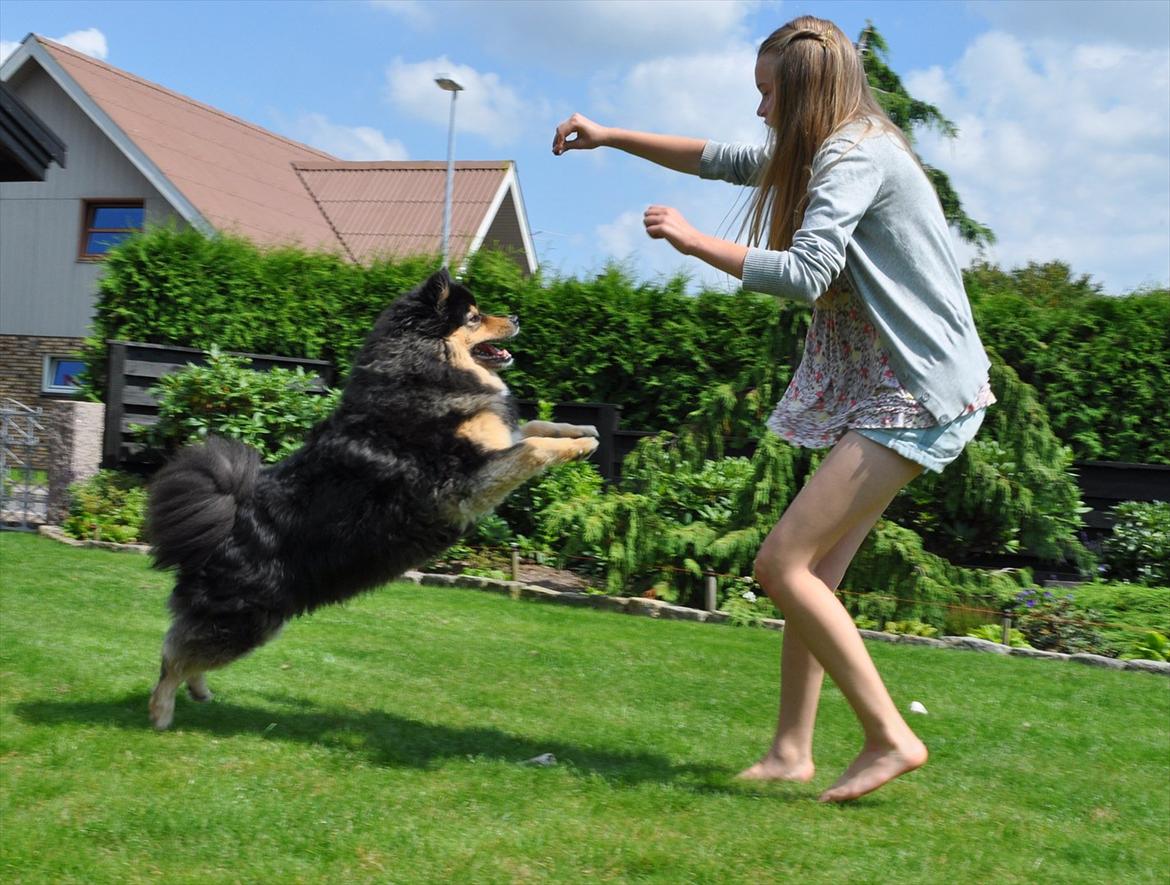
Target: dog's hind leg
<point x="195" y="645"/>
<point x="162" y="699"/>
<point x="197" y="688"/>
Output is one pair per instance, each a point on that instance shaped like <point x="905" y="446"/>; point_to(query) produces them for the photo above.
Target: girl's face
<point x="765" y="82"/>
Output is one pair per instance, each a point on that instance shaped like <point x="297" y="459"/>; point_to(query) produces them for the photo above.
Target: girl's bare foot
<point x="775" y="768"/>
<point x="877" y="766"/>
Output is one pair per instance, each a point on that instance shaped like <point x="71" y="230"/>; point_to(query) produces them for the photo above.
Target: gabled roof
<point x="396" y="208"/>
<point x="223" y="173"/>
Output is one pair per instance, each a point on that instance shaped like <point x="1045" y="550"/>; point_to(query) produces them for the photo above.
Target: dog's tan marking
<point x="487" y="430"/>
<point x="462" y="340"/>
<point x="461" y="359"/>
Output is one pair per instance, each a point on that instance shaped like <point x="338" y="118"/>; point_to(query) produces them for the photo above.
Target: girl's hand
<point x="588" y="134"/>
<point x="667" y="223"/>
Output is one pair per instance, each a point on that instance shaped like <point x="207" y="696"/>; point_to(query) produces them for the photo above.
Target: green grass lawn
<point x="384" y="741"/>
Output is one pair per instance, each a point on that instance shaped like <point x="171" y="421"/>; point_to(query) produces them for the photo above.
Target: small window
<point x="107" y="224"/>
<point x="62" y="374"/>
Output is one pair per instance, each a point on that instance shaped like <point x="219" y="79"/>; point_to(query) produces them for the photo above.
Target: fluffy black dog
<point x="423" y="442"/>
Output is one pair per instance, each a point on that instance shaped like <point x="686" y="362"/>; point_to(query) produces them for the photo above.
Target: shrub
<point x="994" y="633"/>
<point x="911" y="628"/>
<point x="109" y="506"/>
<point x="272" y="411"/>
<point x="544" y="509"/>
<point x="179" y="287"/>
<point x="675" y="515"/>
<point x="894" y="578"/>
<point x="1100" y="363"/>
<point x="1139" y="547"/>
<point x="745" y="607"/>
<point x="1053" y="623"/>
<point x="1011" y="490"/>
<point x="1153" y="646"/>
<point x="1135" y="609"/>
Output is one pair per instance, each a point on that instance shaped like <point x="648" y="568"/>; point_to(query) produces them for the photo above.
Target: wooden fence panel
<point x="135" y="368"/>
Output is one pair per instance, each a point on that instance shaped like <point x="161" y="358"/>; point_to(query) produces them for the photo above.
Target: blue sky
<point x="1063" y="107"/>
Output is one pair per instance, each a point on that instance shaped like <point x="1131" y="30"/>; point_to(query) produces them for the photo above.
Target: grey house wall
<point x="504" y="231"/>
<point x="44" y="289"/>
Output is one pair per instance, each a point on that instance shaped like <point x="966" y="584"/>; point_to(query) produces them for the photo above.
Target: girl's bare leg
<point x="849" y="491"/>
<point x="789" y="758"/>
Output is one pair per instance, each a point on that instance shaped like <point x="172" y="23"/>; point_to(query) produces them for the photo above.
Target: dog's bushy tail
<point x="193" y="500"/>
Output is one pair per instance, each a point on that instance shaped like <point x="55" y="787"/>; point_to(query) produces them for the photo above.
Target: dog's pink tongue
<point x="492" y="352"/>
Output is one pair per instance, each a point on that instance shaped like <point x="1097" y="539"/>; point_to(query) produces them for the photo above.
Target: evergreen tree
<point x="909" y="113"/>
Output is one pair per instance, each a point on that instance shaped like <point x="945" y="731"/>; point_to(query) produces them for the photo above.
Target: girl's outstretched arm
<point x="675" y="152"/>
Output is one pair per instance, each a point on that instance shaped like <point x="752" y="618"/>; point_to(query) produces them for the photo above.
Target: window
<point x="61" y="374"/>
<point x="108" y="223"/>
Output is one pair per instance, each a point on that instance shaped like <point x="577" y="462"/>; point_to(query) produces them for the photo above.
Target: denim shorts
<point x="932" y="447"/>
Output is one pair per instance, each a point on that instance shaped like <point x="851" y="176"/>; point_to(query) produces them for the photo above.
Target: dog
<point x="424" y="441"/>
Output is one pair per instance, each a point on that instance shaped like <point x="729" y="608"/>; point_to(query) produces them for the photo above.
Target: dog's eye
<point x="474" y="319"/>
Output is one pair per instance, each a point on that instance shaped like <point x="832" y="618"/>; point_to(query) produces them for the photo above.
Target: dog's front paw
<point x="553" y="430"/>
<point x="581" y="448"/>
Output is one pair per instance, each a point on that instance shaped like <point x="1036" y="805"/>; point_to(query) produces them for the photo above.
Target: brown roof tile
<point x="396" y="208"/>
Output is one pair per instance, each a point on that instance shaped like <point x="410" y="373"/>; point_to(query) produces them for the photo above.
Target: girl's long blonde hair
<point x="818" y="85"/>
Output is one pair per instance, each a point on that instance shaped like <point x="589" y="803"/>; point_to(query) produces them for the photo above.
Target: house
<point x="141" y="154"/>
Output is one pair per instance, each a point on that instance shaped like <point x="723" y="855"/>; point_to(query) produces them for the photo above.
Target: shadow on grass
<point x="395" y="741"/>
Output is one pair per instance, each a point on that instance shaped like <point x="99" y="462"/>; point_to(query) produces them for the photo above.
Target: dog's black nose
<point x="515" y="320"/>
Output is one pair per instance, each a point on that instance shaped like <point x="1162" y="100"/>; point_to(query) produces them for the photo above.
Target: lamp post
<point x="447" y="84"/>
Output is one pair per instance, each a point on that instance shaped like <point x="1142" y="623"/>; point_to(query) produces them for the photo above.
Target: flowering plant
<point x="745" y="607"/>
<point x="1052" y="623"/>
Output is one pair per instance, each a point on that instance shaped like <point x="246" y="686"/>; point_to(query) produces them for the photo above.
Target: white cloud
<point x="413" y="12"/>
<point x="1062" y="151"/>
<point x="583" y="34"/>
<point x="705" y="95"/>
<point x="91" y="42"/>
<point x="346" y="142"/>
<point x="621" y="237"/>
<point x="1129" y="22"/>
<point x="486" y="106"/>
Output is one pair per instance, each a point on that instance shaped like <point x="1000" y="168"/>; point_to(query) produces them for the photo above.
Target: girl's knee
<point x="775" y="569"/>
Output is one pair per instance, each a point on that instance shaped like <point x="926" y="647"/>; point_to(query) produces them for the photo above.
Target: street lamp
<point x="449" y="85"/>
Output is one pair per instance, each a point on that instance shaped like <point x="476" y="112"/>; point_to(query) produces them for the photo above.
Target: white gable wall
<point x="44" y="289"/>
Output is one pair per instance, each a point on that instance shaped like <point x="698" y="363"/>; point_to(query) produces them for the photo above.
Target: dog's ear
<point x="436" y="289"/>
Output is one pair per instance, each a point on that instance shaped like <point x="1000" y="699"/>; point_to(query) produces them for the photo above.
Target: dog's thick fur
<point x="423" y="442"/>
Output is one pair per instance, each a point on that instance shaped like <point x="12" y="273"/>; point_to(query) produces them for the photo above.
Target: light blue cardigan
<point x="873" y="213"/>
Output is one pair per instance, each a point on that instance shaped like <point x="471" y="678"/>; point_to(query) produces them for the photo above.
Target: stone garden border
<point x="656" y="608"/>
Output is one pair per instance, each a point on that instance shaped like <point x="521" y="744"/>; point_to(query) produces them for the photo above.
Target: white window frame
<point x="48" y="371"/>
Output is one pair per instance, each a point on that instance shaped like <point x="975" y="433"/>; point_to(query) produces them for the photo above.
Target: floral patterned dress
<point x="844" y="380"/>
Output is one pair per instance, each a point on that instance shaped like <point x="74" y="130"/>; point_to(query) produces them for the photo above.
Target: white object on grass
<point x="916" y="707"/>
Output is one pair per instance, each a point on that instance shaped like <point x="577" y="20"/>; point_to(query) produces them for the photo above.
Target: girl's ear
<point x="437" y="287"/>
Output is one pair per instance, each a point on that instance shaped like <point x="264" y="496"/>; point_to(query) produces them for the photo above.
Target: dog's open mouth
<point x="487" y="354"/>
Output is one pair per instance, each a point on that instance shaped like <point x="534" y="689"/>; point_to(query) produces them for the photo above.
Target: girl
<point x="893" y="377"/>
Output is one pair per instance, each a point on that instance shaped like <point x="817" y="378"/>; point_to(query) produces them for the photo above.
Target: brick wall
<point x="22" y="360"/>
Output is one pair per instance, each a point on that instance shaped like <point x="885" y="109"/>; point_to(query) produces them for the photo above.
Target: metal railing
<point x="24" y="490"/>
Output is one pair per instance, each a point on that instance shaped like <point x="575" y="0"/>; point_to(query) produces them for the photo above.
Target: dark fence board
<point x="135" y="367"/>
